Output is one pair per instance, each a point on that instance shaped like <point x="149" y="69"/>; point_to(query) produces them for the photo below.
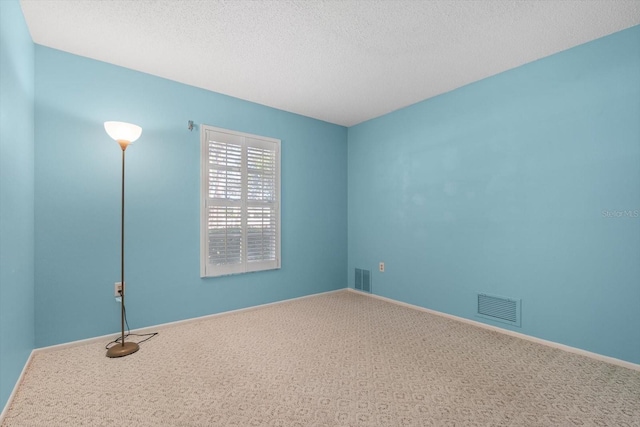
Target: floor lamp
<point x="124" y="134"/>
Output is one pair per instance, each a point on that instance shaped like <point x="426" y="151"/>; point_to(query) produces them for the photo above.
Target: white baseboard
<point x="15" y="388"/>
<point x="161" y="326"/>
<point x="596" y="356"/>
<point x="109" y="337"/>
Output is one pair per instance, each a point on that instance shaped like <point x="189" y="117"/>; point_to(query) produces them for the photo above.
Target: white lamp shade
<point x="121" y="131"/>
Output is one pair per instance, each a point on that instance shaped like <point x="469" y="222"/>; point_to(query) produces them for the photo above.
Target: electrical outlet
<point x="382" y="267"/>
<point x="118" y="289"/>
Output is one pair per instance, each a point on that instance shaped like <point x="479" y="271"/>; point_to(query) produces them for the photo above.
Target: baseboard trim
<point x="596" y="356"/>
<point x="155" y="328"/>
<point x="146" y="329"/>
<point x="15" y="388"/>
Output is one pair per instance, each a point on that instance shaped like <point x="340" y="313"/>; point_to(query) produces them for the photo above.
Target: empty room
<point x="319" y="213"/>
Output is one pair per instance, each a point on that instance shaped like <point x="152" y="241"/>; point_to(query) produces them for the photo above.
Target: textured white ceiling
<point x="339" y="61"/>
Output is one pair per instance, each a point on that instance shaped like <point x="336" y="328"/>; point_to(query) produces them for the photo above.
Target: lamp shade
<point x="121" y="131"/>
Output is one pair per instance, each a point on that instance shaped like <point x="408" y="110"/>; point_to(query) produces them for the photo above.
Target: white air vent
<point x="500" y="309"/>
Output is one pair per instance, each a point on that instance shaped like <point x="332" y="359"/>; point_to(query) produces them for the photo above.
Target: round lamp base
<point x="120" y="350"/>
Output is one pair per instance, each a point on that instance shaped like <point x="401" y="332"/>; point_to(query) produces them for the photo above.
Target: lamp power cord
<point x="128" y="334"/>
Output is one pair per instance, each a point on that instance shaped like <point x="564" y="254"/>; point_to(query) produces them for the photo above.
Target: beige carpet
<point x="337" y="359"/>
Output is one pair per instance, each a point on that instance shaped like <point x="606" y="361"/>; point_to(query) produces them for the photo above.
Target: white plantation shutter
<point x="224" y="235"/>
<point x="241" y="202"/>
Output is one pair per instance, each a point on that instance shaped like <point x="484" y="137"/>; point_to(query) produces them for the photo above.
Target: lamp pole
<point x="114" y="129"/>
<point x="124" y="147"/>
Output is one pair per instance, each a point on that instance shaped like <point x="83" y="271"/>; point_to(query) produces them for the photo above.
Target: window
<point x="240" y="229"/>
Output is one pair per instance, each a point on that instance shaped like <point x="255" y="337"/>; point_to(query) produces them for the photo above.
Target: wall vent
<point x="363" y="280"/>
<point x="499" y="309"/>
<point x="366" y="281"/>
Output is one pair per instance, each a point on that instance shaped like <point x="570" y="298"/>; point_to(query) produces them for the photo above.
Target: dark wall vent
<point x="363" y="280"/>
<point x="500" y="309"/>
<point x="366" y="280"/>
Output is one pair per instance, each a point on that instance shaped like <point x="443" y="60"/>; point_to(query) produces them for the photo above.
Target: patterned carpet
<point x="338" y="359"/>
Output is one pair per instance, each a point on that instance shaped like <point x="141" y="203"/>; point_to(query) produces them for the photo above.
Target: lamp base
<point x="120" y="350"/>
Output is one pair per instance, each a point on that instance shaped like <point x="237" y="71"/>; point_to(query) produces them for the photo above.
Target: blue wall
<point x="78" y="200"/>
<point x="525" y="184"/>
<point x="16" y="196"/>
<point x="513" y="186"/>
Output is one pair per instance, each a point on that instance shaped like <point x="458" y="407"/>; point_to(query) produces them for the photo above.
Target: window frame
<point x="248" y="140"/>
